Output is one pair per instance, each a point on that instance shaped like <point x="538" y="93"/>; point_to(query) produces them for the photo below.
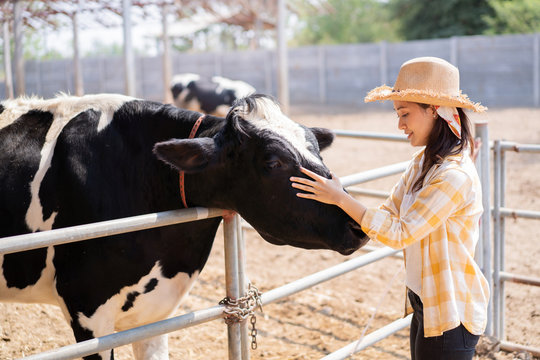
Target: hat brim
<point x="384" y="92"/>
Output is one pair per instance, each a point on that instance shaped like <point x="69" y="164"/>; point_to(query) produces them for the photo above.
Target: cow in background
<point x="70" y="161"/>
<point x="211" y="96"/>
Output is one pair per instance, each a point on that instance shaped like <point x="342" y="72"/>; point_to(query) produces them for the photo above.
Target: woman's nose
<point x="401" y="124"/>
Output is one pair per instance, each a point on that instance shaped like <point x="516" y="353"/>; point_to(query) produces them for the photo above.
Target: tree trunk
<point x="18" y="57"/>
<point x="167" y="67"/>
<point x="7" y="60"/>
<point x="283" y="67"/>
<point x="129" y="60"/>
<point x="77" y="72"/>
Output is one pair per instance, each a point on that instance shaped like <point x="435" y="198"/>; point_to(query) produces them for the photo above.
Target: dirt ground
<point x="318" y="321"/>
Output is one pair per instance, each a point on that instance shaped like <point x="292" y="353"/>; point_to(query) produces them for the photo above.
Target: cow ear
<point x="325" y="137"/>
<point x="189" y="155"/>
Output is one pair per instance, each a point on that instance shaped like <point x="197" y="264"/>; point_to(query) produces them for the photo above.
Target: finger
<point x="306" y="196"/>
<point x="311" y="174"/>
<point x="301" y="180"/>
<point x="303" y="187"/>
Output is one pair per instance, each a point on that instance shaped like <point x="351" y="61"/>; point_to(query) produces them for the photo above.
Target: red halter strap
<point x="191" y="136"/>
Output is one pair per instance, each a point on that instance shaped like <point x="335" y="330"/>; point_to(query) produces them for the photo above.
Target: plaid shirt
<point x="444" y="217"/>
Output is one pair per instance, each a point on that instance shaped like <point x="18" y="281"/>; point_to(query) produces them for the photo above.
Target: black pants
<point x="455" y="344"/>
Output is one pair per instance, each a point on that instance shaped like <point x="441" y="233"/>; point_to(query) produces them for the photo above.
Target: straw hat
<point x="427" y="80"/>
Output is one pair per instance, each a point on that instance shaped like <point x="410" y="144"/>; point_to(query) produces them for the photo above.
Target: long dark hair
<point x="442" y="142"/>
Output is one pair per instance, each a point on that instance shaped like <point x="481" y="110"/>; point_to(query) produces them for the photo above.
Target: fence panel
<point x="497" y="70"/>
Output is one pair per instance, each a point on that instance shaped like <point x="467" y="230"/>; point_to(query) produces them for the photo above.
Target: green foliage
<point x="514" y="17"/>
<point x="349" y="21"/>
<point x="428" y="19"/>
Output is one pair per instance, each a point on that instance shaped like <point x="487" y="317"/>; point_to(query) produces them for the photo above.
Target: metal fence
<point x="235" y="273"/>
<point x="235" y="259"/>
<point x="500" y="212"/>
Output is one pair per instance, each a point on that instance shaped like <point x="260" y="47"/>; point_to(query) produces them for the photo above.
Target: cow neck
<point x="181" y="180"/>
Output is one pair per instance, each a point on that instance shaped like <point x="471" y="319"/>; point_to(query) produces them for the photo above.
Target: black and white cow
<point x="211" y="96"/>
<point x="70" y="161"/>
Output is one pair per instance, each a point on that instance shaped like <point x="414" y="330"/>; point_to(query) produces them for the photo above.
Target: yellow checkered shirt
<point x="444" y="217"/>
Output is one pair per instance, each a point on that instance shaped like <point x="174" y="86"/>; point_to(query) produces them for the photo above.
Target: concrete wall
<point x="497" y="71"/>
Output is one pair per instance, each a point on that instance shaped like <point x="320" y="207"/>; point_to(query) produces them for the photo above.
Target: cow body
<point x="71" y="161"/>
<point x="211" y="96"/>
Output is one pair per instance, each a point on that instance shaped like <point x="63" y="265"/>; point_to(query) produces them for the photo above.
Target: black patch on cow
<point x="1" y="108"/>
<point x="111" y="174"/>
<point x="176" y="89"/>
<point x="21" y="143"/>
<point x="208" y="96"/>
<point x="81" y="333"/>
<point x="130" y="299"/>
<point x="151" y="285"/>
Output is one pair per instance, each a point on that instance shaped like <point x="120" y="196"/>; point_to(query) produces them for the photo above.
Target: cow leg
<point x="82" y="334"/>
<point x="154" y="348"/>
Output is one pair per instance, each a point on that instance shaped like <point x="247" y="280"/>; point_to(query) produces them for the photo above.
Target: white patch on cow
<point x="155" y="305"/>
<point x="43" y="291"/>
<point x="268" y="116"/>
<point x="241" y="89"/>
<point x="154" y="348"/>
<point x="63" y="108"/>
<point x="15" y="108"/>
<point x="184" y="79"/>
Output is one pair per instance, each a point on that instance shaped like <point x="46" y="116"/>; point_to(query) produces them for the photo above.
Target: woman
<point x="432" y="213"/>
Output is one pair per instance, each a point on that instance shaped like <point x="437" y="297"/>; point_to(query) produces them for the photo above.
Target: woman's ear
<point x="433" y="111"/>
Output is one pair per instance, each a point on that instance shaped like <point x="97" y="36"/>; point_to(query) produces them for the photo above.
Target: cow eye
<point x="273" y="162"/>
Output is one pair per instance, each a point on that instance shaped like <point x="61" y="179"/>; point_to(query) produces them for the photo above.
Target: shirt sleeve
<point x="432" y="206"/>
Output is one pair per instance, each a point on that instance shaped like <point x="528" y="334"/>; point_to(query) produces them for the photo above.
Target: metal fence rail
<point x="104" y="228"/>
<point x="235" y="278"/>
<point x="235" y="256"/>
<point x="499" y="214"/>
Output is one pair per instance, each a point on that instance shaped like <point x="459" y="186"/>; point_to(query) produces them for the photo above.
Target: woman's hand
<point x="329" y="191"/>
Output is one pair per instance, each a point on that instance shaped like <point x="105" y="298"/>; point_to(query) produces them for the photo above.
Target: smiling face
<point x="415" y="121"/>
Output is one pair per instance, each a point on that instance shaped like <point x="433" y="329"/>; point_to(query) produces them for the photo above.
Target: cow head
<point x="246" y="167"/>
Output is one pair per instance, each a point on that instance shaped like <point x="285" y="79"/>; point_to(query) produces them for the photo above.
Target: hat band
<point x="451" y="116"/>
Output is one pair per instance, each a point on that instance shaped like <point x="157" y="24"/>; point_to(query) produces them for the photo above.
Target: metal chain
<point x="238" y="310"/>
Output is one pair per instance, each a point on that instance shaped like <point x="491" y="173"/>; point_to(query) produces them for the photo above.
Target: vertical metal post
<point x="243" y="283"/>
<point x="536" y="69"/>
<point x="496" y="296"/>
<point x="502" y="175"/>
<point x="232" y="284"/>
<point x="484" y="246"/>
